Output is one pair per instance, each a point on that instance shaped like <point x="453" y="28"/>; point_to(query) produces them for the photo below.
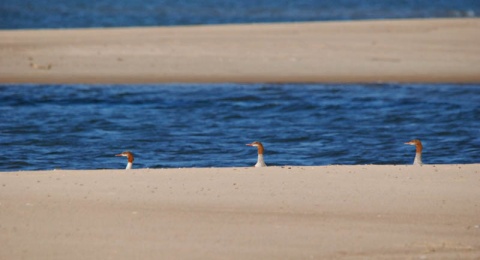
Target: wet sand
<point x="324" y="212"/>
<point x="431" y="50"/>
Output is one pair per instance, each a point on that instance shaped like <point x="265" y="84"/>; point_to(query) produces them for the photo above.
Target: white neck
<point x="418" y="159"/>
<point x="260" y="161"/>
<point x="129" y="166"/>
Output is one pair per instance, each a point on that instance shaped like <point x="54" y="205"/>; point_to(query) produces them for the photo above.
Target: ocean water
<point x="18" y="14"/>
<point x="44" y="127"/>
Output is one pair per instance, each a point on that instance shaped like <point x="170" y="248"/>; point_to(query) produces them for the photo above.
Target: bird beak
<point x="118" y="155"/>
<point x="249" y="144"/>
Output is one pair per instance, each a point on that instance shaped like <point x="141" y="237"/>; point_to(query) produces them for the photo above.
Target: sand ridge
<point x="289" y="212"/>
<point x="416" y="50"/>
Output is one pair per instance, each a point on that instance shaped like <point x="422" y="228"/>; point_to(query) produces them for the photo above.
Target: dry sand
<point x="432" y="50"/>
<point x="323" y="212"/>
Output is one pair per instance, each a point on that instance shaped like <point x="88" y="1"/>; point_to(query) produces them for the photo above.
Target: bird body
<point x="418" y="154"/>
<point x="260" y="160"/>
<point x="130" y="158"/>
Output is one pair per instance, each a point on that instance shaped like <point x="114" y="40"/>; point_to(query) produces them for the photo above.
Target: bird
<point x="129" y="156"/>
<point x="260" y="161"/>
<point x="418" y="155"/>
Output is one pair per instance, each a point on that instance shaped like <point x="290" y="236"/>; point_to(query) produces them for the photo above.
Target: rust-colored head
<point x="258" y="145"/>
<point x="127" y="154"/>
<point x="417" y="144"/>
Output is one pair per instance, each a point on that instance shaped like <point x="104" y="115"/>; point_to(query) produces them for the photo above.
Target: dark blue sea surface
<point x="45" y="127"/>
<point x="17" y="14"/>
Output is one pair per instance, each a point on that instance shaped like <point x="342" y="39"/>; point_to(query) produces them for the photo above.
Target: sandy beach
<point x="430" y="50"/>
<point x="323" y="212"/>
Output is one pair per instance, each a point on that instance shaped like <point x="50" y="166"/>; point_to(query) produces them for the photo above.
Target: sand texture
<point x="431" y="50"/>
<point x="323" y="212"/>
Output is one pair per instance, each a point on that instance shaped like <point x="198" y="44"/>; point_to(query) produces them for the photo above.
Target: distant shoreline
<point x="368" y="51"/>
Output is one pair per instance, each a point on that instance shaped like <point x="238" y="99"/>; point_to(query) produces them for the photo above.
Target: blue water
<point x="205" y="125"/>
<point x="16" y="14"/>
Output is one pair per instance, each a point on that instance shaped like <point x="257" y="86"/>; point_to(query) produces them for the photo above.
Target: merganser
<point x="129" y="156"/>
<point x="418" y="155"/>
<point x="260" y="161"/>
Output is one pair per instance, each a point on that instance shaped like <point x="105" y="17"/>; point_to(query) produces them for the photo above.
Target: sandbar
<point x="372" y="51"/>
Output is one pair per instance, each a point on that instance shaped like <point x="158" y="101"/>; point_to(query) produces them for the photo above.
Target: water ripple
<point x="208" y="125"/>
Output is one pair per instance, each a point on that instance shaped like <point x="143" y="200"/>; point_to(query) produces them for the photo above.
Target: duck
<point x="260" y="161"/>
<point x="129" y="156"/>
<point x="418" y="155"/>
